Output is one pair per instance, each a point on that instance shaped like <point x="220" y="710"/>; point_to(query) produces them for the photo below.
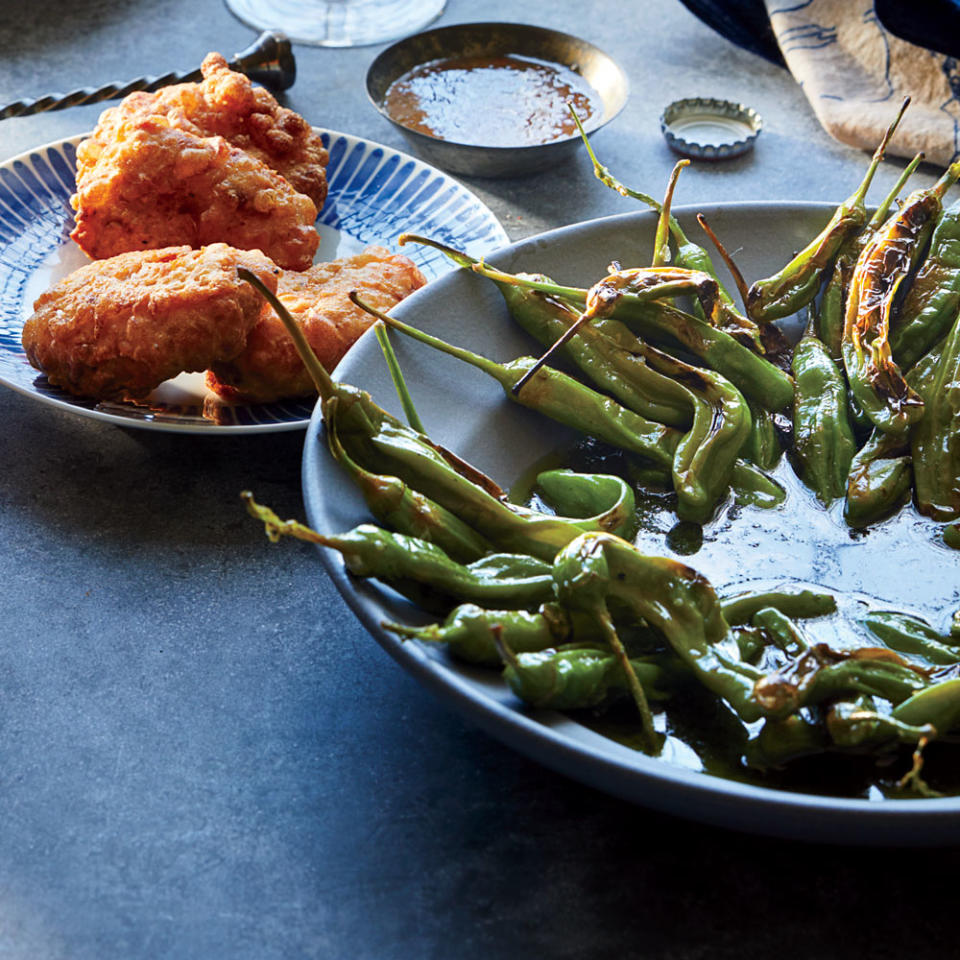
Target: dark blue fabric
<point x="934" y="24"/>
<point x="743" y="22"/>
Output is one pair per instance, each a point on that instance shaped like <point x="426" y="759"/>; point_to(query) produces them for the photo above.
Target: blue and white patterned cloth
<point x="855" y="73"/>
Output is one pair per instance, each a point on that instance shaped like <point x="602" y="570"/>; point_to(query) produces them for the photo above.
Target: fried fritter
<point x="226" y="104"/>
<point x="118" y="328"/>
<point x="152" y="185"/>
<point x="269" y="368"/>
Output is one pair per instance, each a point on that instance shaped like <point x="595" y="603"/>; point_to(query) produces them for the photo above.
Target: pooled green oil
<point x="900" y="564"/>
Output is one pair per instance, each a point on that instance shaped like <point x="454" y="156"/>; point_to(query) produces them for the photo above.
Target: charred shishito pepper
<point x="372" y="436"/>
<point x="798" y="282"/>
<point x="396" y="505"/>
<point x="911" y="635"/>
<point x="421" y="570"/>
<point x="704" y="459"/>
<point x="664" y="325"/>
<point x="933" y="300"/>
<point x="833" y="303"/>
<point x="575" y="615"/>
<point x="468" y="631"/>
<point x="688" y="254"/>
<point x="576" y="678"/>
<point x="559" y="397"/>
<point x="740" y="607"/>
<point x="609" y="360"/>
<point x="879" y="479"/>
<point x="762" y="446"/>
<point x="614" y="298"/>
<point x="751" y="373"/>
<point x="606" y="352"/>
<point x="817" y="674"/>
<point x="823" y="440"/>
<point x="646" y="284"/>
<point x="671" y="597"/>
<point x="935" y="441"/>
<point x="701" y="460"/>
<point x="875" y="379"/>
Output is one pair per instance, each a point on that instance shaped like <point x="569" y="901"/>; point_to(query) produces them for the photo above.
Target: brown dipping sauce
<point x="505" y="101"/>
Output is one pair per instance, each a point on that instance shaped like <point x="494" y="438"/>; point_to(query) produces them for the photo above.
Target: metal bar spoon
<point x="268" y="60"/>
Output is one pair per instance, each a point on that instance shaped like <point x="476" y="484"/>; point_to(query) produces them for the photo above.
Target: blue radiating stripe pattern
<point x="375" y="194"/>
<point x="35" y="219"/>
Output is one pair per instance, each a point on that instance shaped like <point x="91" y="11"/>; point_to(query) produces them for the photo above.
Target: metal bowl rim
<point x="591" y="126"/>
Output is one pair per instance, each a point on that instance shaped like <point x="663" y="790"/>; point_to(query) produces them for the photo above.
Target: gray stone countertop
<point x="202" y="752"/>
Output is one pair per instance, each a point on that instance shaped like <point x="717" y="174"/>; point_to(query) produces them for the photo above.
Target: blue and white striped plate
<point x="375" y="194"/>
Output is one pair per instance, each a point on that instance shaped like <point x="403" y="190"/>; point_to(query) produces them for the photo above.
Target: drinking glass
<point x="338" y="23"/>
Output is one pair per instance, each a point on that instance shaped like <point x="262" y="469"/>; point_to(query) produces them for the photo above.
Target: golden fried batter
<point x="153" y="185"/>
<point x="269" y="368"/>
<point x="120" y="327"/>
<point x="226" y="104"/>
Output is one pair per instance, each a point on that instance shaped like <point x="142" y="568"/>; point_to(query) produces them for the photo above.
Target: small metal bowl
<point x="496" y="40"/>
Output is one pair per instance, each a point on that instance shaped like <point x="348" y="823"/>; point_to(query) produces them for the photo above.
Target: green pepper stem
<point x="557" y="344"/>
<point x="456" y="255"/>
<point x="321" y="379"/>
<point x="402" y="630"/>
<point x="858" y="197"/>
<point x="495" y="370"/>
<point x="661" y="249"/>
<point x="604" y="175"/>
<point x="544" y="286"/>
<point x="491" y="273"/>
<point x="660" y="291"/>
<point x="727" y="259"/>
<point x="337" y="449"/>
<point x="949" y="178"/>
<point x="639" y="695"/>
<point x="881" y="212"/>
<point x="276" y="528"/>
<point x="396" y="375"/>
<point x="912" y="777"/>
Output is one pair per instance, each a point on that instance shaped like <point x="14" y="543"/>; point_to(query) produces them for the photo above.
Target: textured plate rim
<point x="628" y="774"/>
<point x="210" y="429"/>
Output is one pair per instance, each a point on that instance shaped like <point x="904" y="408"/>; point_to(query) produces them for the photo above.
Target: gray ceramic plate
<point x="468" y="413"/>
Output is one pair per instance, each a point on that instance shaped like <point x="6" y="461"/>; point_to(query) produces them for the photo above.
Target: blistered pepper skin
<point x="823" y="440"/>
<point x="752" y="374"/>
<point x="832" y="308"/>
<point x="936" y="439"/>
<point x="468" y="631"/>
<point x="762" y="446"/>
<point x="879" y="480"/>
<point x="933" y="301"/>
<point x="705" y="457"/>
<point x="610" y="364"/>
<point x="580" y="677"/>
<point x="874" y="377"/>
<point x="798" y="283"/>
<point x="672" y="598"/>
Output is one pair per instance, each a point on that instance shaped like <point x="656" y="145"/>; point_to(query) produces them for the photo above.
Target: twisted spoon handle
<point x="268" y="60"/>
